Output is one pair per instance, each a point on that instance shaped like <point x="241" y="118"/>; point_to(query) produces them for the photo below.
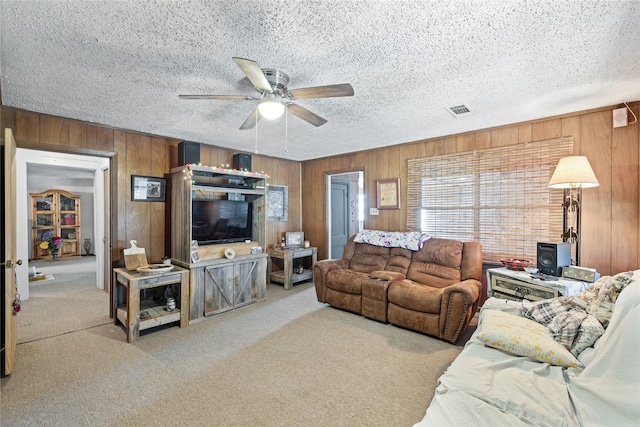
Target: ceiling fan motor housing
<point x="277" y="79"/>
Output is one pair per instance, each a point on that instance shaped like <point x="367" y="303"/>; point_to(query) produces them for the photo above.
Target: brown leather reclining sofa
<point x="434" y="290"/>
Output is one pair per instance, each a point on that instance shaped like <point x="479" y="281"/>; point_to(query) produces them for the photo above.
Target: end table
<point x="286" y="276"/>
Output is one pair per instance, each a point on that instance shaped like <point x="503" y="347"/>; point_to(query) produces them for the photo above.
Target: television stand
<point x="219" y="283"/>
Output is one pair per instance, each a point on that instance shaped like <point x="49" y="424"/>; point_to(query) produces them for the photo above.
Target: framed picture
<point x="148" y="188"/>
<point x="294" y="238"/>
<point x="388" y="191"/>
<point x="277" y="203"/>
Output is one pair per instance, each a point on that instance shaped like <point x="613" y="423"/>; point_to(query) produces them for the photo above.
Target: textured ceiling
<point x="123" y="64"/>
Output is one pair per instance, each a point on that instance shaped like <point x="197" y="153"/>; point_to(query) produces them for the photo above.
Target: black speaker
<point x="188" y="153"/>
<point x="242" y="161"/>
<point x="552" y="257"/>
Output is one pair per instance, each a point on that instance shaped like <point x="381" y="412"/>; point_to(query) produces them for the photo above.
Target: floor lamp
<point x="572" y="174"/>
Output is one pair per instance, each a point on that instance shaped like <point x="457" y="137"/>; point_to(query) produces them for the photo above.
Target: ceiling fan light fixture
<point x="275" y="98"/>
<point x="270" y="109"/>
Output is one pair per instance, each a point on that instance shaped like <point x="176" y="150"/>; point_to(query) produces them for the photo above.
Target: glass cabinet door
<point x="67" y="219"/>
<point x="44" y="220"/>
<point x="68" y="233"/>
<point x="67" y="204"/>
<point x="44" y="203"/>
<point x="41" y="231"/>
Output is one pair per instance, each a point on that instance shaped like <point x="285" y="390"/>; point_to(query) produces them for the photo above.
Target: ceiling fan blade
<point x="330" y="91"/>
<point x="247" y="98"/>
<point x="254" y="73"/>
<point x="306" y="115"/>
<point x="251" y="121"/>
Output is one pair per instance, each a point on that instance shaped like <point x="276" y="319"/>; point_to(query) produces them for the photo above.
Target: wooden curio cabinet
<point x="57" y="211"/>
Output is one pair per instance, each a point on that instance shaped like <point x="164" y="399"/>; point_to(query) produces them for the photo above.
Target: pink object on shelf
<point x="515" y="264"/>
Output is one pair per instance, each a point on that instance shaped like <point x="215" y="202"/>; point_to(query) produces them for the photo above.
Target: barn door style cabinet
<point x="57" y="212"/>
<point x="223" y="276"/>
<point x="231" y="284"/>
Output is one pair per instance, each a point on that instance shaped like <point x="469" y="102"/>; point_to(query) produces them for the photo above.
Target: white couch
<point x="488" y="387"/>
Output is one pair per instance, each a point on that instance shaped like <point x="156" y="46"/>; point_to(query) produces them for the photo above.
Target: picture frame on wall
<point x="388" y="193"/>
<point x="148" y="188"/>
<point x="277" y="203"/>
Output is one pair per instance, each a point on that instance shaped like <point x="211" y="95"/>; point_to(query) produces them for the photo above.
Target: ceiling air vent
<point x="459" y="110"/>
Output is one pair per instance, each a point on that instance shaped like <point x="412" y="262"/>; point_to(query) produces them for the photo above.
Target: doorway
<point x="345" y="206"/>
<point x="35" y="167"/>
<point x="69" y="294"/>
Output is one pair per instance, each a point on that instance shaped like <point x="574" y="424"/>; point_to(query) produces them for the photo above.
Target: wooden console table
<point x="127" y="302"/>
<point x="286" y="276"/>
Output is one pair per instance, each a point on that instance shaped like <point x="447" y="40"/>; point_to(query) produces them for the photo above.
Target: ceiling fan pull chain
<point x="286" y="131"/>
<point x="256" y="110"/>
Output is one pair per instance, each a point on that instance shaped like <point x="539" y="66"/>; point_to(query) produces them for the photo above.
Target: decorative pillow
<point x="544" y="311"/>
<point x="392" y="239"/>
<point x="523" y="337"/>
<point x="565" y="327"/>
<point x="590" y="330"/>
<point x="559" y="316"/>
<point x="602" y="307"/>
<point x="564" y="316"/>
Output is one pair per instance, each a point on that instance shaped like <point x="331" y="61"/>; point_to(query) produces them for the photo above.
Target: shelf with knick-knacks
<point x="55" y="213"/>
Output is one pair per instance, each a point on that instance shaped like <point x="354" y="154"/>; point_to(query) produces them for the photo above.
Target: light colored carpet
<point x="287" y="361"/>
<point x="69" y="303"/>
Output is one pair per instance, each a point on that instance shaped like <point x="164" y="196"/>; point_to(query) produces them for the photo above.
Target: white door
<point x="10" y="319"/>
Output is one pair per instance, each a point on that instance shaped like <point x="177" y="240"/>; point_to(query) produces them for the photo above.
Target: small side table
<point x="127" y="302"/>
<point x="519" y="285"/>
<point x="286" y="276"/>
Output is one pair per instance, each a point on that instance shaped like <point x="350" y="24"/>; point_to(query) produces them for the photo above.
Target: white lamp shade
<point x="573" y="172"/>
<point x="270" y="109"/>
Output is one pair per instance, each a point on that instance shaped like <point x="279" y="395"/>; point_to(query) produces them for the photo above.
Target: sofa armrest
<point x="320" y="271"/>
<point x="459" y="304"/>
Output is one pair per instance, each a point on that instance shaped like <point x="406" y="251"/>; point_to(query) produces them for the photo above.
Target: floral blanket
<point x="578" y="321"/>
<point x="393" y="239"/>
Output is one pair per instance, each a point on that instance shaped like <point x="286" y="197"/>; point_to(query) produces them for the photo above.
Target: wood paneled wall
<point x="135" y="153"/>
<point x="610" y="212"/>
<point x="610" y="221"/>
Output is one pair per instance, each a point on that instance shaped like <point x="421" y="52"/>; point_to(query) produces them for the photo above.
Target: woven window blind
<point x="497" y="196"/>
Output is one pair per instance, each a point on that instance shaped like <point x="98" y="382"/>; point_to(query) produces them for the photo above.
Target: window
<point x="497" y="196"/>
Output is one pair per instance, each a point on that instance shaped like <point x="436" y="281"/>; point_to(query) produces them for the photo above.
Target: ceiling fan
<point x="274" y="96"/>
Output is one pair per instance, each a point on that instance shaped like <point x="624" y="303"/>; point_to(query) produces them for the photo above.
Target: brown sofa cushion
<point x="437" y="264"/>
<point x="367" y="258"/>
<point x="415" y="296"/>
<point x="399" y="260"/>
<point x="347" y="281"/>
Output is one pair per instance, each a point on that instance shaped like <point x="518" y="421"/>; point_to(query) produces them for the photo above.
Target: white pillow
<point x="523" y="337"/>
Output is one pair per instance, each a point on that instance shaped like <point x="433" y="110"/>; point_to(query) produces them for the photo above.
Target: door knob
<point x="10" y="263"/>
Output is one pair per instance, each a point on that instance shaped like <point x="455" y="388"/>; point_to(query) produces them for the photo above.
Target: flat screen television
<point x="221" y="221"/>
